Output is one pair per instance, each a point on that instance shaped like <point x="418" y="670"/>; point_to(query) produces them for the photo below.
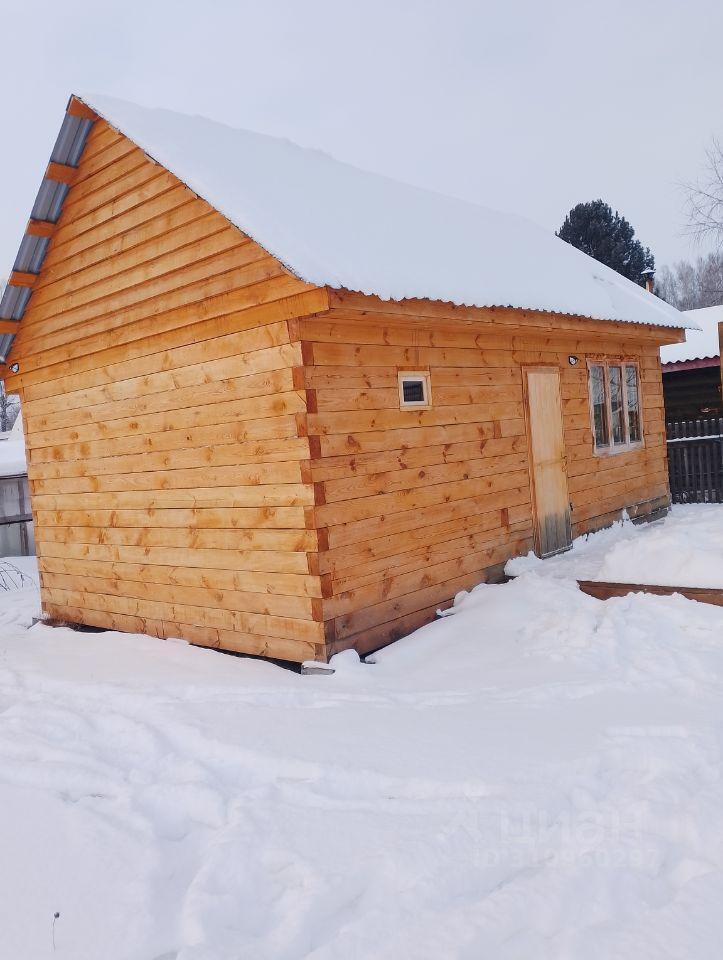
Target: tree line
<point x="604" y="234"/>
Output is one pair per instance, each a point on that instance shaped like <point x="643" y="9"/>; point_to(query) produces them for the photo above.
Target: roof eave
<point x="54" y="187"/>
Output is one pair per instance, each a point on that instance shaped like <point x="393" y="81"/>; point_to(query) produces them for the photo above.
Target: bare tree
<point x="9" y="408"/>
<point x="9" y="404"/>
<point x="688" y="286"/>
<point x="705" y="198"/>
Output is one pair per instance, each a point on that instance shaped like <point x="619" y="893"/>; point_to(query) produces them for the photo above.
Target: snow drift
<point x="535" y="775"/>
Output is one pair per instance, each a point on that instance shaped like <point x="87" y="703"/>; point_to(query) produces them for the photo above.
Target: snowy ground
<point x="537" y="775"/>
<point x="685" y="549"/>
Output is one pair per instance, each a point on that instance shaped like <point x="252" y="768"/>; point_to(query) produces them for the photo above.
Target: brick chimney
<point x="649" y="279"/>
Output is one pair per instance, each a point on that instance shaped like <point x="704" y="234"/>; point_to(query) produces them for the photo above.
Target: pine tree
<point x="594" y="228"/>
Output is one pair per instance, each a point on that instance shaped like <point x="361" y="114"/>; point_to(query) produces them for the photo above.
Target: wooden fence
<point x="695" y="460"/>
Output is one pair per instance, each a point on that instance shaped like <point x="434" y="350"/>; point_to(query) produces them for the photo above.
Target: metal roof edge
<point x="54" y="188"/>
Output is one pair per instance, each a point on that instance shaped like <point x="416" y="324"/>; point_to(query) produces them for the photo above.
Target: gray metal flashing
<point x="31" y="254"/>
<point x="71" y="140"/>
<point x="68" y="149"/>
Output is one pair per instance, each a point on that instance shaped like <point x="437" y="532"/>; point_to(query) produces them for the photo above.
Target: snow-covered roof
<point x="702" y="344"/>
<point x="332" y="224"/>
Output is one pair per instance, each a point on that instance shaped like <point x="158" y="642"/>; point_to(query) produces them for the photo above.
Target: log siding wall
<point x="161" y="398"/>
<point x="216" y="449"/>
<point x="416" y="505"/>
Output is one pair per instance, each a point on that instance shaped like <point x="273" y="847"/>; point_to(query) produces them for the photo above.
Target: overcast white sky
<point x="522" y="105"/>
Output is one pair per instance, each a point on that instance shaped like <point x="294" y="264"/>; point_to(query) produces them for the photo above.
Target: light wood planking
<point x="217" y="450"/>
<point x="171" y="488"/>
<point x="411" y="504"/>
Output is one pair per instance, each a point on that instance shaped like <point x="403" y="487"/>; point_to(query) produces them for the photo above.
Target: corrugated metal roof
<point x="14" y="301"/>
<point x="31" y="254"/>
<point x="71" y="140"/>
<point x="49" y="201"/>
<point x="400" y="242"/>
<point x="6" y="341"/>
<point x="699" y="345"/>
<point x="47" y="208"/>
<point x="334" y="225"/>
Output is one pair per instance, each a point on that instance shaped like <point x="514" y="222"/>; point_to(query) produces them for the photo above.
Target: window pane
<point x="599" y="407"/>
<point x="633" y="396"/>
<point x="413" y="391"/>
<point x="616" y="403"/>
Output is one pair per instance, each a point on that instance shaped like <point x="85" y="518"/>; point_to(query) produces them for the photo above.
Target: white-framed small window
<point x="615" y="409"/>
<point x="414" y="390"/>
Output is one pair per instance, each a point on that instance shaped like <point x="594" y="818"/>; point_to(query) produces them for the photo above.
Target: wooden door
<point x="548" y="468"/>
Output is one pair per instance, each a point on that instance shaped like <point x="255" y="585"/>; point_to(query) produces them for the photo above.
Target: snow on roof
<point x="334" y="225"/>
<point x="699" y="344"/>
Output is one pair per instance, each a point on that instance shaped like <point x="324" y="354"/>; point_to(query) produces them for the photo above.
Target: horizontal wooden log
<point x="73" y="251"/>
<point x="330" y="424"/>
<point x="249" y="431"/>
<point x="500" y="542"/>
<point x="294" y="541"/>
<point x="262" y="283"/>
<point x="484" y="334"/>
<point x="230" y="411"/>
<point x="211" y="456"/>
<point x="370" y="604"/>
<point x="385" y="505"/>
<point x="302" y="608"/>
<point x="603" y="590"/>
<point x="413" y="517"/>
<point x="189" y="224"/>
<point x="269" y="495"/>
<point x="251" y="643"/>
<point x="379" y="484"/>
<point x="277" y="584"/>
<point x="367" y="305"/>
<point x="349" y="400"/>
<point x="213" y="390"/>
<point x="405" y="459"/>
<point x="181" y="347"/>
<point x="144" y="300"/>
<point x="100" y="186"/>
<point x="256" y="561"/>
<point x="381" y="635"/>
<point x="369" y="378"/>
<point x="377" y="553"/>
<point x="203" y="616"/>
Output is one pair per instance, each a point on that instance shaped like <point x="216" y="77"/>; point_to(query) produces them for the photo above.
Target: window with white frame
<point x="414" y="390"/>
<point x="615" y="405"/>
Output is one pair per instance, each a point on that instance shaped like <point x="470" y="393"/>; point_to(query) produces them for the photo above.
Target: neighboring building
<point x="16" y="522"/>
<point x="278" y="405"/>
<point x="692" y="370"/>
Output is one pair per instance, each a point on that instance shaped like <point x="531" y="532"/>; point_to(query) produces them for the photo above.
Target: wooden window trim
<point x="613" y="449"/>
<point x="422" y="375"/>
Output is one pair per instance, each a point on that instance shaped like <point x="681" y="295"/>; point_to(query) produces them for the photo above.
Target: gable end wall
<point x="162" y="401"/>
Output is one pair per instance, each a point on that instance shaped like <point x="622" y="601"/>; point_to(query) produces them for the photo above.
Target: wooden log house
<point x="277" y="405"/>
